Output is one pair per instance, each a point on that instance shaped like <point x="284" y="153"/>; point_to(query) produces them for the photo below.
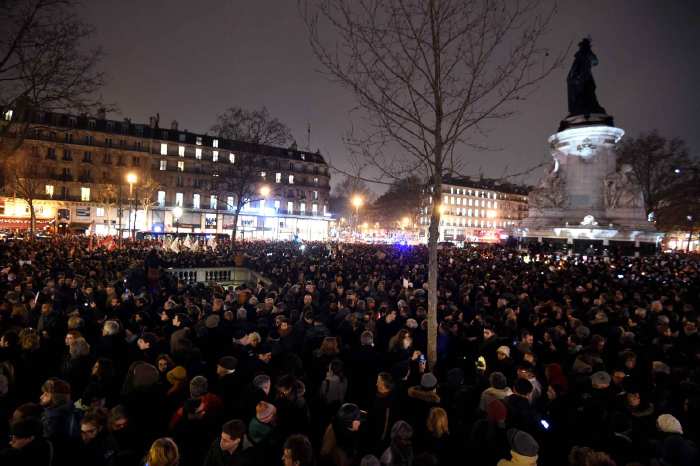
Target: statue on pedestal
<point x="580" y="83"/>
<point x="550" y="192"/>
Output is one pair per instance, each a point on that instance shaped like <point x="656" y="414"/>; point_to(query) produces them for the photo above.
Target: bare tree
<point x="256" y="126"/>
<point x="427" y="76"/>
<point x="662" y="167"/>
<point x="148" y="194"/>
<point x="241" y="180"/>
<point x="43" y="66"/>
<point x="24" y="184"/>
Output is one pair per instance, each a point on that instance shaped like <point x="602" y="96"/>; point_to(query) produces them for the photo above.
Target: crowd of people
<point x="106" y="359"/>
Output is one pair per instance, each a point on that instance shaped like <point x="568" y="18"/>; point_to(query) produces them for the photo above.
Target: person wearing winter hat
<point x="498" y="390"/>
<point x="261" y="426"/>
<point x="177" y="378"/>
<point x="228" y="384"/>
<point x="523" y="449"/>
<point x="487" y="442"/>
<point x="669" y="424"/>
<point x="420" y="399"/>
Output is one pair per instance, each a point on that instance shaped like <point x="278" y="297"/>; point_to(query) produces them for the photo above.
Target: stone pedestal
<point x="584" y="194"/>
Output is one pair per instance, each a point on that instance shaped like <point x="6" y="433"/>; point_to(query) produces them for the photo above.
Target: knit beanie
<point x="265" y="412"/>
<point x="199" y="386"/>
<point x="669" y="424"/>
<point x="144" y="375"/>
<point x="522" y="443"/>
<point x="428" y="381"/>
<point x="176" y="375"/>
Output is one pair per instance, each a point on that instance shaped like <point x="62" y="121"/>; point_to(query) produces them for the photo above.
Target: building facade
<point x="84" y="166"/>
<point x="476" y="210"/>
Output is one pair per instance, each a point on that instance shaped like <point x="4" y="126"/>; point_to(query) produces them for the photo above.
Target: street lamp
<point x="690" y="231"/>
<point x="357" y="202"/>
<point x="131" y="178"/>
<point x="264" y="192"/>
<point x="177" y="213"/>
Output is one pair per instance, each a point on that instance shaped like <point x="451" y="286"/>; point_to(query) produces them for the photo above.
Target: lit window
<point x="215" y="156"/>
<point x="181" y="151"/>
<point x="84" y="194"/>
<point x="314" y="209"/>
<point x="277" y="205"/>
<point x="291" y="179"/>
<point x="471" y="201"/>
<point x="181" y="166"/>
<point x="212" y="201"/>
<point x="8" y="115"/>
<point x="483" y="203"/>
<point x="163" y="149"/>
<point x="452" y="190"/>
<point x="49" y="190"/>
<point x="178" y="199"/>
<point x="316" y="195"/>
<point x="495" y="205"/>
<point x="199" y="140"/>
<point x="100" y="211"/>
<point x="290" y="207"/>
<point x="325" y="209"/>
<point x="195" y="201"/>
<point x="315" y="180"/>
<point x="161" y="198"/>
<point x="163" y="165"/>
<point x="278" y="177"/>
<point x="446" y="200"/>
<point x="215" y="143"/>
<point x="232" y="158"/>
<point x="198" y="153"/>
<point x="469" y="213"/>
<point x="302" y="208"/>
<point x="263" y="175"/>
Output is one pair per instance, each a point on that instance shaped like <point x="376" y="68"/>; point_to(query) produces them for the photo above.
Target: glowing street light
<point x="357" y="201"/>
<point x="405" y="222"/>
<point x="265" y="191"/>
<point x="131" y="178"/>
<point x="177" y="213"/>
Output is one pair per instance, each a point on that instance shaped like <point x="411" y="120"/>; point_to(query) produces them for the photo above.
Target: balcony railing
<point x="222" y="275"/>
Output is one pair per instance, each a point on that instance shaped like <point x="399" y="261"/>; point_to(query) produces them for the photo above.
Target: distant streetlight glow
<point x="132" y="178"/>
<point x="357" y="201"/>
<point x="265" y="191"/>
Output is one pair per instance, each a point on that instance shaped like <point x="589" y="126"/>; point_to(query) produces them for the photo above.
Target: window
<point x="263" y="175"/>
<point x="91" y="124"/>
<point x="215" y="156"/>
<point x="198" y="153"/>
<point x="67" y="155"/>
<point x="178" y="199"/>
<point x="100" y="211"/>
<point x="212" y="201"/>
<point x="277" y="205"/>
<point x="51" y="153"/>
<point x="181" y="166"/>
<point x="445" y="200"/>
<point x="325" y="209"/>
<point x="316" y="181"/>
<point x="229" y="203"/>
<point x="290" y="207"/>
<point x="161" y="198"/>
<point x="135" y="161"/>
<point x="302" y="208"/>
<point x="261" y="204"/>
<point x="215" y="143"/>
<point x="291" y="179"/>
<point x="163" y="165"/>
<point x="232" y="158"/>
<point x="108" y="142"/>
<point x="163" y="149"/>
<point x="314" y="209"/>
<point x="84" y="194"/>
<point x="87" y="157"/>
<point x="278" y="177"/>
<point x="199" y="140"/>
<point x="195" y="201"/>
<point x="49" y="190"/>
<point x="8" y="115"/>
<point x="181" y="151"/>
<point x="315" y="195"/>
<point x="181" y="137"/>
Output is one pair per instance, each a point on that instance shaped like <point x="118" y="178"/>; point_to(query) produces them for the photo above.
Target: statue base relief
<point x="584" y="195"/>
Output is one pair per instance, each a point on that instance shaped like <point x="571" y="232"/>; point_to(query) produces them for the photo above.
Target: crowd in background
<point x="107" y="359"/>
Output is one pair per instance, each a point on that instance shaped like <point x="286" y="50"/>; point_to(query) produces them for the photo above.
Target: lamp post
<point x="357" y="202"/>
<point x="177" y="213"/>
<point x="690" y="232"/>
<point x="131" y="178"/>
<point x="264" y="192"/>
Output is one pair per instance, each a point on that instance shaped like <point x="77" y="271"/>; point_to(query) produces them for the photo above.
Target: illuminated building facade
<point x="476" y="210"/>
<point x="82" y="167"/>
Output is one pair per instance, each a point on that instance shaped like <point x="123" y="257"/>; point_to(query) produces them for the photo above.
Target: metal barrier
<point x="222" y="275"/>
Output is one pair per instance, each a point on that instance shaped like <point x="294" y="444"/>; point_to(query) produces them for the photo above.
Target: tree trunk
<point x="433" y="237"/>
<point x="32" y="221"/>
<point x="235" y="227"/>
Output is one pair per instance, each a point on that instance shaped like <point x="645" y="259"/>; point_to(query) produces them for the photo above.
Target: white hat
<point x="669" y="424"/>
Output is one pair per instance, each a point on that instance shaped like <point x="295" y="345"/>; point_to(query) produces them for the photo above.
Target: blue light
<point x="157" y="229"/>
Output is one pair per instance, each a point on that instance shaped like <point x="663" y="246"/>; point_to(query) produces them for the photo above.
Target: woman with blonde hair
<point x="163" y="452"/>
<point x="437" y="439"/>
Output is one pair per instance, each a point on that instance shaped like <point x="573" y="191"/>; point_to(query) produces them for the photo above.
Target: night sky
<point x="189" y="60"/>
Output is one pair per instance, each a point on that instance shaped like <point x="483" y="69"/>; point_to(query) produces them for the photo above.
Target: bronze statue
<point x="580" y="83"/>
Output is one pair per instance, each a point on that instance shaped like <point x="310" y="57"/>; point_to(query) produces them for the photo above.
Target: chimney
<point x="173" y="125"/>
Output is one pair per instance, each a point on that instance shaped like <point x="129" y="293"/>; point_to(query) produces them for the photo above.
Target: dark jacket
<point x="37" y="453"/>
<point x="243" y="456"/>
